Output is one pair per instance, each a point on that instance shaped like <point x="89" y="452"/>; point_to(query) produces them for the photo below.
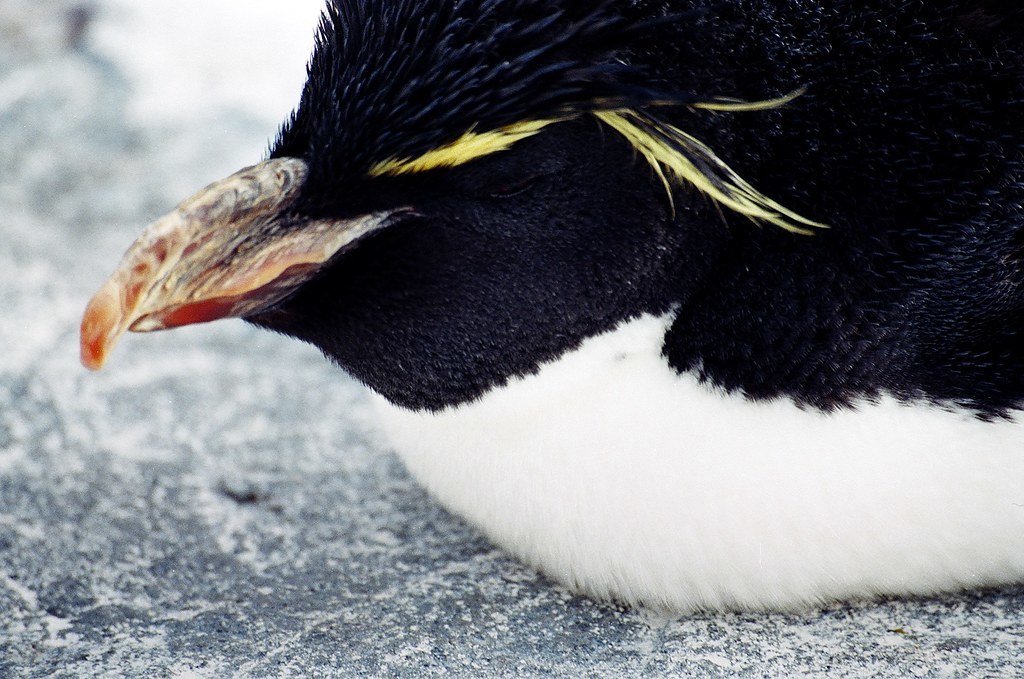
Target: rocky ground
<point x="215" y="504"/>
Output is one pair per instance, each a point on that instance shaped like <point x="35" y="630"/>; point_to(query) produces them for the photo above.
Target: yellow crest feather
<point x="672" y="152"/>
<point x="730" y="105"/>
<point x="674" y="155"/>
<point x="469" y="146"/>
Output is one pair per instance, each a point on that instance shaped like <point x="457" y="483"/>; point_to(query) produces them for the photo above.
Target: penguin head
<point x="464" y="191"/>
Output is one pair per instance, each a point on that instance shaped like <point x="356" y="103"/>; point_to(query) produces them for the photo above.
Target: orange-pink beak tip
<point x="100" y="327"/>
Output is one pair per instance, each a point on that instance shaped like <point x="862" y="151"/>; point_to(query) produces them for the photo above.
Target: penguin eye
<point x="515" y="188"/>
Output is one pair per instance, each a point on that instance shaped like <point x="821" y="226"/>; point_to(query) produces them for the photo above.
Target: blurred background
<point x="214" y="503"/>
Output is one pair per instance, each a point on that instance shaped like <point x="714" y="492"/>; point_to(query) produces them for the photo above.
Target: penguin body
<point x="690" y="305"/>
<point x="587" y="469"/>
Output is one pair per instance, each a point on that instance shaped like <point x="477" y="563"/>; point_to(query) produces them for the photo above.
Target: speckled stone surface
<point x="216" y="504"/>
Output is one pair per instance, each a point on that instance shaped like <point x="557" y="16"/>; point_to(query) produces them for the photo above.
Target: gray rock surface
<point x="215" y="504"/>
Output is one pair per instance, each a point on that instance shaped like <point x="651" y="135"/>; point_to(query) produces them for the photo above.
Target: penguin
<point x="689" y="304"/>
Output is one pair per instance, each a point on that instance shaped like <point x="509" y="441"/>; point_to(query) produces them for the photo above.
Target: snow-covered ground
<point x="213" y="503"/>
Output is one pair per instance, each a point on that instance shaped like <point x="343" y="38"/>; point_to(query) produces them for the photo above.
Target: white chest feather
<point x="624" y="480"/>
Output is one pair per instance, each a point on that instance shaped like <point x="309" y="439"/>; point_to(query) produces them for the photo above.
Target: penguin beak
<point x="231" y="250"/>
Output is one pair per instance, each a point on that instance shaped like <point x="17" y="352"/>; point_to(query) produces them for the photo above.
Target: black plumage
<point x="395" y="80"/>
<point x="906" y="143"/>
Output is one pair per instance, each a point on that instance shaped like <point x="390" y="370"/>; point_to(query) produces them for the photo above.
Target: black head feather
<point x="397" y="79"/>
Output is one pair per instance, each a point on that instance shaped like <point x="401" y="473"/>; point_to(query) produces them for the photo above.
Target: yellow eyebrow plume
<point x="470" y="146"/>
<point x="676" y="157"/>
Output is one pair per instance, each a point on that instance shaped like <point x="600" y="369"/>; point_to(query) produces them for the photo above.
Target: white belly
<point x="624" y="480"/>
